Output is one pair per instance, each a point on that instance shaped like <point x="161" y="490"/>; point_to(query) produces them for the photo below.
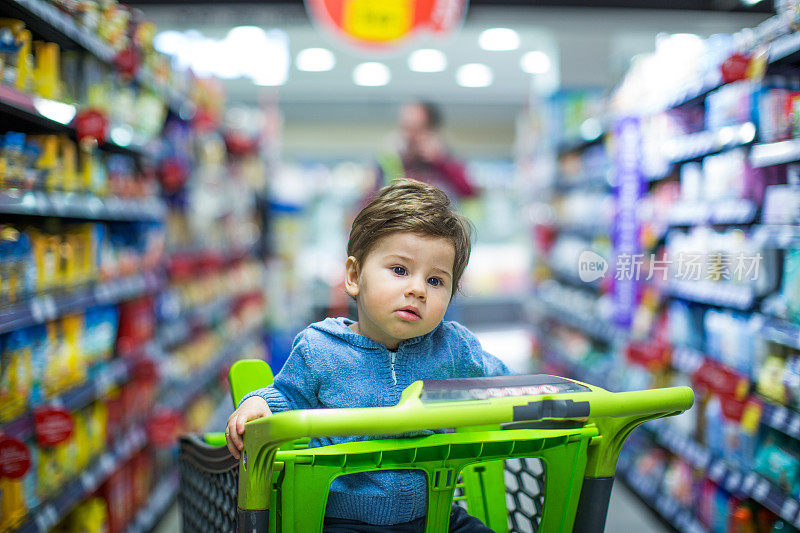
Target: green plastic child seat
<point x="574" y="429"/>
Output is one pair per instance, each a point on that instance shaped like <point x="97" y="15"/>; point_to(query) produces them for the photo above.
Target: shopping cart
<point x="523" y="453"/>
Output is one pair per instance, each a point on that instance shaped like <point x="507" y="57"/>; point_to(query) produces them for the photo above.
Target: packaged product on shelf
<point x="47" y="70"/>
<point x="18" y="493"/>
<point x="730" y="105"/>
<point x="17" y="267"/>
<point x="791" y="381"/>
<point x="678" y="482"/>
<point x="47" y="256"/>
<point x="14" y="163"/>
<point x="90" y="516"/>
<point x="16" y="379"/>
<point x="100" y="332"/>
<point x="778" y="460"/>
<point x="770" y="382"/>
<point x="17" y="62"/>
<point x="773" y="108"/>
<point x="136" y="325"/>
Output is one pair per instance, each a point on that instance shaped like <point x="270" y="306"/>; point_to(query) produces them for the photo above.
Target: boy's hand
<point x="252" y="408"/>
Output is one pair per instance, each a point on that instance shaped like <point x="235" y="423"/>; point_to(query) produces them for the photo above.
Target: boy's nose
<point x="416" y="287"/>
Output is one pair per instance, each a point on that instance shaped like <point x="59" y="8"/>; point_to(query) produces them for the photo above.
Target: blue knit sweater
<point x="332" y="366"/>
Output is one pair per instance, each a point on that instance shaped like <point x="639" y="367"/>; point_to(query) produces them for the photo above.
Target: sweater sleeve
<point x="296" y="385"/>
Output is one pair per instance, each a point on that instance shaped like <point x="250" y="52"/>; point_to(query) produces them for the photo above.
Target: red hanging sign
<point x="54" y="425"/>
<point x="15" y="458"/>
<point x="383" y="24"/>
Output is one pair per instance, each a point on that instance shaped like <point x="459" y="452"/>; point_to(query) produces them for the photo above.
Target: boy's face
<point x="403" y="288"/>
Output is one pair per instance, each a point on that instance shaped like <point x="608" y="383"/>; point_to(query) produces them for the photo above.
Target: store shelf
<point x="82" y="206"/>
<point x="698" y="145"/>
<point x="108" y="375"/>
<point x="577" y="145"/>
<point x="728" y="476"/>
<point x="50" y="116"/>
<point x="586" y="231"/>
<point x="665" y="506"/>
<point x="587" y="181"/>
<point x="781" y="418"/>
<point x="40" y="309"/>
<point x="777" y="235"/>
<point x="777" y="153"/>
<point x="50" y="513"/>
<point x="721" y="294"/>
<point x="181" y="394"/>
<point x="780" y="331"/>
<point x="733" y="211"/>
<point x="51" y="24"/>
<point x="161" y="499"/>
<point x="179" y="330"/>
<point x="591" y="326"/>
<point x="785" y="48"/>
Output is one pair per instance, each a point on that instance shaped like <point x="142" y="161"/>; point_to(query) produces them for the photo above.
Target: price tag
<point x="716" y="471"/>
<point x="104" y="293"/>
<point x="44" y="308"/>
<point x="733" y="481"/>
<point x="748" y="483"/>
<point x="761" y="490"/>
<point x="47" y="518"/>
<point x="104" y="382"/>
<point x="778" y="417"/>
<point x="106" y="464"/>
<point x="789" y="507"/>
<point x="793" y="428"/>
<point x="88" y="481"/>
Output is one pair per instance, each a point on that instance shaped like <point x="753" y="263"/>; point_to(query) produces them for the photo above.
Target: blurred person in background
<point x="420" y="153"/>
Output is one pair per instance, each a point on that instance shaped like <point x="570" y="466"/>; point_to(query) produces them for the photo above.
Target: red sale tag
<point x="54" y="425"/>
<point x="15" y="458"/>
<point x="92" y="125"/>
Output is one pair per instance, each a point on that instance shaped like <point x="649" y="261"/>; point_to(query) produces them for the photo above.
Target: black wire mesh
<point x="524" y="494"/>
<point x="524" y="480"/>
<point x="208" y="489"/>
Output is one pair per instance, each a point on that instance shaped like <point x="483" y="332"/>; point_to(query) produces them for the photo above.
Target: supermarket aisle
<point x="626" y="513"/>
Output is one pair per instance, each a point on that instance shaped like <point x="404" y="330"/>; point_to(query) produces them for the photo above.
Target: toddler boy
<point x="406" y="254"/>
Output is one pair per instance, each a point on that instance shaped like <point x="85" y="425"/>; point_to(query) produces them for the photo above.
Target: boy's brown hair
<point x="410" y="206"/>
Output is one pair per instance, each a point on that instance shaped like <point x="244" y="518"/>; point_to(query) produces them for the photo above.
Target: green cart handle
<point x="464" y="403"/>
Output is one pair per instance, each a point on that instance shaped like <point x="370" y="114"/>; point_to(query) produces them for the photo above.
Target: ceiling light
<point x="371" y="74"/>
<point x="252" y="35"/>
<point x="474" y="75"/>
<point x="499" y="39"/>
<point x="535" y="62"/>
<point x="169" y="42"/>
<point x="315" y="60"/>
<point x="427" y="60"/>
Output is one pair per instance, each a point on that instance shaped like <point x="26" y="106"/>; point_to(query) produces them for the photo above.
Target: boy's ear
<point x="351" y="276"/>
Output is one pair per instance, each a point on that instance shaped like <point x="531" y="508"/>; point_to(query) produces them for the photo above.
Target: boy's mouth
<point x="409" y="312"/>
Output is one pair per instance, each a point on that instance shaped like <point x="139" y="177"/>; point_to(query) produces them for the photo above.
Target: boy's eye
<point x="400" y="271"/>
<point x="436" y="282"/>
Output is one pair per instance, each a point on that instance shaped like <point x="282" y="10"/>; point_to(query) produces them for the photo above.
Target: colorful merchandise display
<point x="122" y="300"/>
<point x="705" y="271"/>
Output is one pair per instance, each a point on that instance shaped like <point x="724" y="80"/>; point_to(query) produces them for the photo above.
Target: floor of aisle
<point x="626" y="513"/>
